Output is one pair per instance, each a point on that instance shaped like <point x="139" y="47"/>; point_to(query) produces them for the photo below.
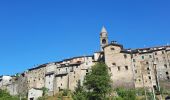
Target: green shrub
<point x="126" y="94"/>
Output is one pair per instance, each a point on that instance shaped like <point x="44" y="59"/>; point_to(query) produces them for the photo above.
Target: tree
<point x="98" y="82"/>
<point x="79" y="93"/>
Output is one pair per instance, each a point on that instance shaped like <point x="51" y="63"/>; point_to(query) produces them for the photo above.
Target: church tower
<point x="103" y="38"/>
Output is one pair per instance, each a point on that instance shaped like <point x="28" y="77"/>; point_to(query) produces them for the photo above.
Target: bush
<point x="126" y="94"/>
<point x="4" y="95"/>
<point x="65" y="92"/>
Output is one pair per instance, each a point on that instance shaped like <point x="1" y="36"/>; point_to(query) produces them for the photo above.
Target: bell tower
<point x="103" y="38"/>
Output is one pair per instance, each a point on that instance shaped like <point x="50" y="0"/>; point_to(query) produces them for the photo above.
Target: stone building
<point x="137" y="68"/>
<point x="10" y="84"/>
<point x="65" y="74"/>
<point x="36" y="77"/>
<point x="22" y="84"/>
<point x="34" y="93"/>
<point x="130" y="68"/>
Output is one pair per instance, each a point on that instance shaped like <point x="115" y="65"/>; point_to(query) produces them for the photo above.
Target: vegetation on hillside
<point x="4" y="95"/>
<point x="96" y="86"/>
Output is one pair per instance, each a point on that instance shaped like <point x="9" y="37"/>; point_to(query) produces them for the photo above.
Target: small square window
<point x="167" y="73"/>
<point x="134" y="60"/>
<point x="87" y="70"/>
<point x="143" y="57"/>
<point x="112" y="48"/>
<point x="150" y="56"/>
<point x="118" y="68"/>
<point x="156" y="59"/>
<point x="114" y="64"/>
<point x="162" y="52"/>
<point x="149" y="77"/>
<point x="125" y="56"/>
<point x="165" y="65"/>
<point x="126" y="67"/>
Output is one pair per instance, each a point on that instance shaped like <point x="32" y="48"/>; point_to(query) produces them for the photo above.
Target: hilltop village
<point x="130" y="68"/>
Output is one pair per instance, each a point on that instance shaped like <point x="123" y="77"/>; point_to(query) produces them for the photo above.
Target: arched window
<point x="104" y="41"/>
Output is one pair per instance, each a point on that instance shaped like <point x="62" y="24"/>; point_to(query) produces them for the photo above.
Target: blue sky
<point x="39" y="31"/>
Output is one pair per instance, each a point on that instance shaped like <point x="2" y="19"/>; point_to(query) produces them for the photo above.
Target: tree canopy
<point x="98" y="82"/>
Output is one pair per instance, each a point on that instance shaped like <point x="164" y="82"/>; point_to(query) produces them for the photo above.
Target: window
<point x="150" y="56"/>
<point x="136" y="71"/>
<point x="66" y="69"/>
<point x="109" y="69"/>
<point x="143" y="57"/>
<point x="147" y="62"/>
<point x="61" y="84"/>
<point x="149" y="77"/>
<point x="112" y="48"/>
<point x="134" y="60"/>
<point x="167" y="73"/>
<point x="104" y="41"/>
<point x="162" y="52"/>
<point x="165" y="65"/>
<point x="155" y="53"/>
<point x="148" y="68"/>
<point x="139" y="80"/>
<point x="156" y="59"/>
<point x="114" y="64"/>
<point x="125" y="56"/>
<point x="87" y="70"/>
<point x="118" y="68"/>
<point x="168" y="77"/>
<point x="126" y="67"/>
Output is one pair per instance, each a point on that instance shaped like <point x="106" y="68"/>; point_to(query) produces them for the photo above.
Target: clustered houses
<point x="130" y="68"/>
